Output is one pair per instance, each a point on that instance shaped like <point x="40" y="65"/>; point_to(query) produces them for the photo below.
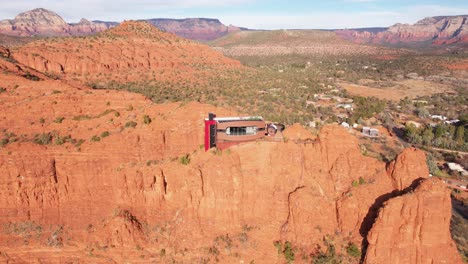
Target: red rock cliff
<point x="414" y="228"/>
<point x="84" y="177"/>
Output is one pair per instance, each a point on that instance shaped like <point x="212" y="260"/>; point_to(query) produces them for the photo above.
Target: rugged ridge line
<point x="434" y="30"/>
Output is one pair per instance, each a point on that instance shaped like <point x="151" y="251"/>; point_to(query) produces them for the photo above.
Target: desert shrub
<point x="41" y="120"/>
<point x="59" y="119"/>
<point x="353" y="250"/>
<point x="81" y="117"/>
<point x="43" y="139"/>
<point x="213" y="251"/>
<point x="58" y="140"/>
<point x="4" y="142"/>
<point x="278" y="246"/>
<point x="287" y="250"/>
<point x="105" y="134"/>
<point x="95" y="138"/>
<point x="329" y="257"/>
<point x="185" y="160"/>
<point x="146" y="119"/>
<point x="2" y="90"/>
<point x="362" y="181"/>
<point x="131" y="124"/>
<point x="79" y="142"/>
<point x="31" y="77"/>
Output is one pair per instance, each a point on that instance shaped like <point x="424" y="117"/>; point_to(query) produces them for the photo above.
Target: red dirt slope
<point x="132" y="51"/>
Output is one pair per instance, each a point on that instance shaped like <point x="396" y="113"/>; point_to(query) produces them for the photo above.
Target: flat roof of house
<point x="238" y="118"/>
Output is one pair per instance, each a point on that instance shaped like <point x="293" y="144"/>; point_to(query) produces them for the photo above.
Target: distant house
<point x="440" y="117"/>
<point x="370" y="132"/>
<point x="452" y="122"/>
<point x="457" y="167"/>
<point x="345" y="106"/>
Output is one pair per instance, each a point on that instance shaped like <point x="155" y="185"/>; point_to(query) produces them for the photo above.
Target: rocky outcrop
<point x="435" y="30"/>
<point x="132" y="51"/>
<point x="127" y="194"/>
<point x="108" y="176"/>
<point x="405" y="175"/>
<point x="86" y="27"/>
<point x="43" y="22"/>
<point x="4" y="52"/>
<point x="414" y="228"/>
<point x="194" y="28"/>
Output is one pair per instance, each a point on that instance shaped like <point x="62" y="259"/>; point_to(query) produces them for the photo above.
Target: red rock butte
<point x="132" y="51"/>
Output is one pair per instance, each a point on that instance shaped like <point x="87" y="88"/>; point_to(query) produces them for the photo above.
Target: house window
<point x="241" y="131"/>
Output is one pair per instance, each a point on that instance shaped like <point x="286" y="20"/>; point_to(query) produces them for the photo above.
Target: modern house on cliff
<point x="223" y="132"/>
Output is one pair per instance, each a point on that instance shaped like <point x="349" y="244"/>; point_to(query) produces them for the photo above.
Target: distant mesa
<point x="195" y="28"/>
<point x="43" y="22"/>
<point x="431" y="30"/>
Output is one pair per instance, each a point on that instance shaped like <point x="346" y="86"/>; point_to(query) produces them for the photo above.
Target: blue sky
<point x="257" y="14"/>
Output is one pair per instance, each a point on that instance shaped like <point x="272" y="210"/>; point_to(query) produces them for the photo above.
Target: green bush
<point x="353" y="250"/>
<point x="362" y="181"/>
<point x="278" y="246"/>
<point x="105" y="134"/>
<point x="59" y="119"/>
<point x="146" y="119"/>
<point x="287" y="250"/>
<point x="329" y="257"/>
<point x="185" y="160"/>
<point x="43" y="139"/>
<point x="131" y="124"/>
<point x="95" y="138"/>
<point x="59" y="140"/>
<point x="4" y="142"/>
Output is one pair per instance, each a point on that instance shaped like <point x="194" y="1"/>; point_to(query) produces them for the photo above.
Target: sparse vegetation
<point x="146" y="119"/>
<point x="105" y="134"/>
<point x="185" y="160"/>
<point x="131" y="124"/>
<point x="59" y="119"/>
<point x="353" y="250"/>
<point x="286" y="249"/>
<point x="43" y="139"/>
